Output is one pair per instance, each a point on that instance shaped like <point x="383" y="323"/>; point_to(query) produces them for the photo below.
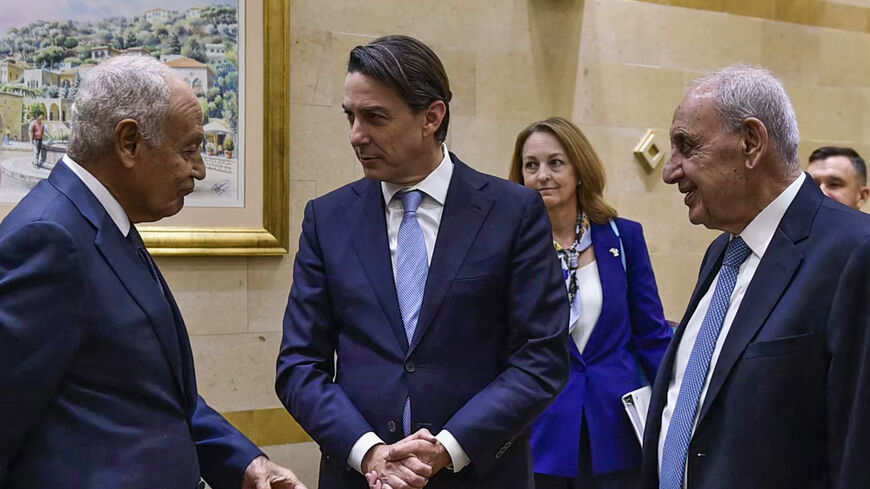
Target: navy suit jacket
<point x="96" y="372"/>
<point x="490" y="350"/>
<point x="630" y="330"/>
<point x="787" y="402"/>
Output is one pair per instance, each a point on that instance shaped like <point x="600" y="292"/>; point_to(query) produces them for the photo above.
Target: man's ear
<point x="128" y="142"/>
<point x="755" y="141"/>
<point x="862" y="196"/>
<point x="432" y="117"/>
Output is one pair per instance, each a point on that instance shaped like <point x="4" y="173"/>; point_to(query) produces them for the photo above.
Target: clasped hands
<point x="406" y="464"/>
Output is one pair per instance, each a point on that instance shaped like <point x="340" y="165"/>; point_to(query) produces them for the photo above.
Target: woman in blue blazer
<point x="584" y="439"/>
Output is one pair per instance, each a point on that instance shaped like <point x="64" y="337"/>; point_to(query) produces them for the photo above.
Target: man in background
<point x="97" y="384"/>
<point x="437" y="288"/>
<point x="37" y="133"/>
<point x="841" y="174"/>
<point x="766" y="382"/>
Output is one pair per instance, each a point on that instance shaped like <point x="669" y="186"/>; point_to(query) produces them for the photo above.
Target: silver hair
<point x="123" y="87"/>
<point x="741" y="91"/>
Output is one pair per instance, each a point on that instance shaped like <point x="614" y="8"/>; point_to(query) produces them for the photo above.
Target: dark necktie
<point x="136" y="240"/>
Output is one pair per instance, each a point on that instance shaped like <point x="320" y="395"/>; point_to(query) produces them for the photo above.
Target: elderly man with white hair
<point x="97" y="386"/>
<point x="767" y="380"/>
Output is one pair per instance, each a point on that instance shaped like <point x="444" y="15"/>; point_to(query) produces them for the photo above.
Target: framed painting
<point x="234" y="54"/>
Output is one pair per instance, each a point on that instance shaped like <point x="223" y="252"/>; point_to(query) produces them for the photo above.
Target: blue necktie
<point x="676" y="448"/>
<point x="412" y="268"/>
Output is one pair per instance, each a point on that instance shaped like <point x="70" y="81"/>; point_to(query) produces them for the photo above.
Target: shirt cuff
<point x="360" y="448"/>
<point x="458" y="457"/>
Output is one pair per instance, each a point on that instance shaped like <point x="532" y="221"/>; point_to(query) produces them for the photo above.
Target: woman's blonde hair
<point x="580" y="155"/>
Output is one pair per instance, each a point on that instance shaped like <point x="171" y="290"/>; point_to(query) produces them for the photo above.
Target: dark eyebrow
<point x="375" y="109"/>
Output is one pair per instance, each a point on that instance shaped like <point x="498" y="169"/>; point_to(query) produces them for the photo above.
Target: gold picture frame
<point x="272" y="238"/>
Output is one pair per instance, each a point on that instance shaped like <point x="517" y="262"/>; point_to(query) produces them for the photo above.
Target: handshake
<point x="406" y="464"/>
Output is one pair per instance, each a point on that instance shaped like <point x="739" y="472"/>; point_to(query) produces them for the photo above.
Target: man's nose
<point x="198" y="169"/>
<point x="672" y="171"/>
<point x="358" y="135"/>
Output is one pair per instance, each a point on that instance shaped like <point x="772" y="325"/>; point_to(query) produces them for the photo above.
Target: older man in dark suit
<point x="766" y="382"/>
<point x="96" y="372"/>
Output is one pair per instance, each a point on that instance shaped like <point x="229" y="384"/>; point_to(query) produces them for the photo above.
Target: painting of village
<point x="42" y="61"/>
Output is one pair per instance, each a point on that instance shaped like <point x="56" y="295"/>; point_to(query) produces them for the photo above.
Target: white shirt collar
<point x="113" y="208"/>
<point x="759" y="232"/>
<point x="435" y="184"/>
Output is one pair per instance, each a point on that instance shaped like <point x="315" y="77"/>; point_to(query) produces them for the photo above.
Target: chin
<point x="697" y="217"/>
<point x="374" y="173"/>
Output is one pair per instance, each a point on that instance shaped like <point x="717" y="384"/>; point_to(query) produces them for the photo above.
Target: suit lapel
<point x="130" y="270"/>
<point x="465" y="210"/>
<point x="368" y="219"/>
<point x="612" y="277"/>
<point x="123" y="260"/>
<point x="188" y="373"/>
<point x="780" y="262"/>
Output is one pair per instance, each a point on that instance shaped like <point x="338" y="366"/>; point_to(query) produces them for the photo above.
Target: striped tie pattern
<point x="676" y="448"/>
<point x="412" y="268"/>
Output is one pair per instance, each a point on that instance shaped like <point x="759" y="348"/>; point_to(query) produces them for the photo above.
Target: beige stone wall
<point x="616" y="67"/>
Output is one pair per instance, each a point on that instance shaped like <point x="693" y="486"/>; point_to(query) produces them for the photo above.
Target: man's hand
<point x="407" y="472"/>
<point x="263" y="473"/>
<point x="421" y="446"/>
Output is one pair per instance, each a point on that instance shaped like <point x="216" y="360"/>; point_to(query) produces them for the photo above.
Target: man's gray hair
<point x="122" y="87"/>
<point x="741" y="91"/>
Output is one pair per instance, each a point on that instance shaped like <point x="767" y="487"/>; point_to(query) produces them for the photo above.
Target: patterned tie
<point x="136" y="240"/>
<point x="412" y="268"/>
<point x="676" y="446"/>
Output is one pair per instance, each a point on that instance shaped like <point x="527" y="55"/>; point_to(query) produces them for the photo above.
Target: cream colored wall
<point x="616" y="67"/>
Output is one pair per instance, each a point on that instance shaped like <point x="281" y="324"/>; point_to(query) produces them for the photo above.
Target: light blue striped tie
<point x="676" y="448"/>
<point x="412" y="268"/>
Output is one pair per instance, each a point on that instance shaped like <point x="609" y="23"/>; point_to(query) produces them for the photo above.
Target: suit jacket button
<point x="391" y="425"/>
<point x="410" y="367"/>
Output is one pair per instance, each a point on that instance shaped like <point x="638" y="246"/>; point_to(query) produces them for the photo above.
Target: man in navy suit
<point x="437" y="289"/>
<point x="96" y="372"/>
<point x="766" y="381"/>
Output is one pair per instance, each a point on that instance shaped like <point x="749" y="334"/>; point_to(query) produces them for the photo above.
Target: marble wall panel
<point x="778" y="52"/>
<point x="236" y="372"/>
<point x="843" y="58"/>
<point x="211" y="292"/>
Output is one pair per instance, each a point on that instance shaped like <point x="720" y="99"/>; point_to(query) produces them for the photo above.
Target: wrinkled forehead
<point x="697" y="113"/>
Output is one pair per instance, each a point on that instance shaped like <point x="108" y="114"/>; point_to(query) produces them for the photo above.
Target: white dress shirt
<point x="434" y="188"/>
<point x="591" y="299"/>
<point x="757" y="236"/>
<point x="113" y="208"/>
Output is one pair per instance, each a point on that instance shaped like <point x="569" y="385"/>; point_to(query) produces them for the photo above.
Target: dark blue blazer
<point x="490" y="350"/>
<point x="787" y="402"/>
<point x="631" y="330"/>
<point x="96" y="372"/>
